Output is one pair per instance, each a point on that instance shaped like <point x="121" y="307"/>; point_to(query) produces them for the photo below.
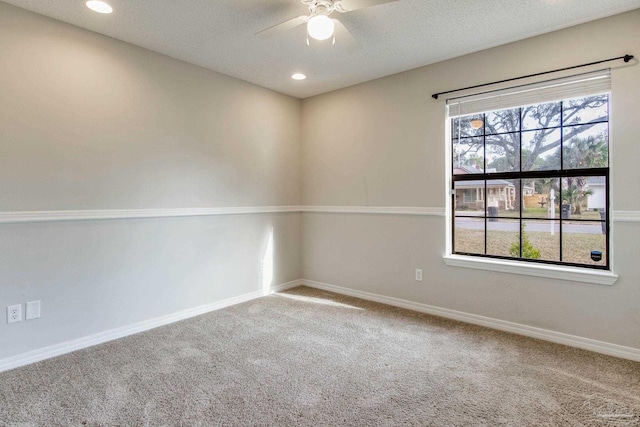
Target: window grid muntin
<point x="522" y="175"/>
<point x="534" y="130"/>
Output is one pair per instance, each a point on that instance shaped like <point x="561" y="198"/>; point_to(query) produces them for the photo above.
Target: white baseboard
<point x="285" y="286"/>
<point x="530" y="331"/>
<point x="623" y="352"/>
<point x="102" y="337"/>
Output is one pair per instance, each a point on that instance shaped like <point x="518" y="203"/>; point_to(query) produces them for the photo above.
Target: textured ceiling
<point x="398" y="36"/>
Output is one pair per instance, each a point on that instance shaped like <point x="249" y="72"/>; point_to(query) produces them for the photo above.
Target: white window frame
<point x="551" y="271"/>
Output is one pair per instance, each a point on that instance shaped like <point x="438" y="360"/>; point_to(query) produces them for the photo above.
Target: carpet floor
<point x="308" y="357"/>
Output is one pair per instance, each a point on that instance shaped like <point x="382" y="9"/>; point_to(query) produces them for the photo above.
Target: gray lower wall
<point x="379" y="254"/>
<point x="94" y="276"/>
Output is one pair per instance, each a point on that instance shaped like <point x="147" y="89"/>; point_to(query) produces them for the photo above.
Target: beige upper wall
<point x="88" y="122"/>
<point x="382" y="143"/>
<point x="160" y="133"/>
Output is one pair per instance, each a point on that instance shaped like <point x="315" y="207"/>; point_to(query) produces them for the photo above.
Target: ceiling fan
<point x="320" y="25"/>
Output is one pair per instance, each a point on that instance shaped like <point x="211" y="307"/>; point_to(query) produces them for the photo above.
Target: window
<point x="470" y="195"/>
<point x="530" y="173"/>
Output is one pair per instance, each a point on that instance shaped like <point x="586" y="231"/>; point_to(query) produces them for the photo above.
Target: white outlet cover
<point x="419" y="274"/>
<point x="14" y="313"/>
<point x="33" y="310"/>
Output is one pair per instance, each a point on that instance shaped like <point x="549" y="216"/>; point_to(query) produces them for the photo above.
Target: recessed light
<point x="298" y="76"/>
<point x="99" y="6"/>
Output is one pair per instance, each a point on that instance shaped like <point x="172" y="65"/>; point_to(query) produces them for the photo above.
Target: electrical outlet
<point x="419" y="274"/>
<point x="14" y="313"/>
<point x="33" y="310"/>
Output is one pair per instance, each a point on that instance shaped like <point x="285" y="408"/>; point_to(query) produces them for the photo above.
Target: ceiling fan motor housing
<point x="320" y="7"/>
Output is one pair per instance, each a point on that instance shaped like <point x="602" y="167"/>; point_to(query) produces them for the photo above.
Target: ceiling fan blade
<point x="284" y="26"/>
<point x="345" y="38"/>
<point x="349" y="5"/>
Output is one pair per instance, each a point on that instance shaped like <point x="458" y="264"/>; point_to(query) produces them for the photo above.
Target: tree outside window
<point x="546" y="162"/>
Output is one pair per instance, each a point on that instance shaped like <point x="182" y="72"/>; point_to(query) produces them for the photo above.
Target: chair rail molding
<point x="80" y="215"/>
<point x="109" y="214"/>
<point x="626" y="216"/>
<point x="377" y="210"/>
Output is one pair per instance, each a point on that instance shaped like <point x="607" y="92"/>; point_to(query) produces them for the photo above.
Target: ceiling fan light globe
<point x="476" y="123"/>
<point x="320" y="27"/>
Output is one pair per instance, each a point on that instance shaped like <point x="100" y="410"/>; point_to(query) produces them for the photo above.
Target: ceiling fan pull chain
<point x="307" y="39"/>
<point x="334" y="39"/>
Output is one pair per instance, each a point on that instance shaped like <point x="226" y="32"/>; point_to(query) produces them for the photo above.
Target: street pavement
<point x="532" y="225"/>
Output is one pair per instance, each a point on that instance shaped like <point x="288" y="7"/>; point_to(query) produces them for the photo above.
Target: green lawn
<point x="576" y="247"/>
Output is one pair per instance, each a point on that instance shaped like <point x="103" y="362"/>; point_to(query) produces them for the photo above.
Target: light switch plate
<point x="33" y="310"/>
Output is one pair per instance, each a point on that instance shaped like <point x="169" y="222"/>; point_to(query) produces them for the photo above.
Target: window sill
<point x="540" y="270"/>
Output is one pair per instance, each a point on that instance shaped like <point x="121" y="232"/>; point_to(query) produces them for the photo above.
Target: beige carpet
<point x="308" y="357"/>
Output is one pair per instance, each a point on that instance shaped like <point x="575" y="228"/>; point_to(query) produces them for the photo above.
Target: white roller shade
<point x="536" y="93"/>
